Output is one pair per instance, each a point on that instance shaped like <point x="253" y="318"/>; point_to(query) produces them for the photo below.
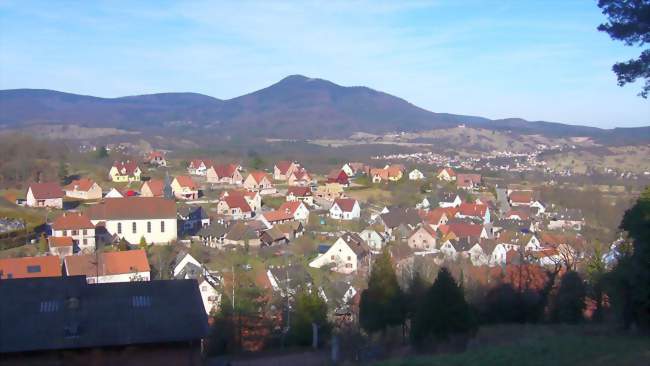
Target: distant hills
<point x="296" y="107"/>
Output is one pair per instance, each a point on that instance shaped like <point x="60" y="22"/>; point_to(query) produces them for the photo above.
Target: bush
<point x="569" y="301"/>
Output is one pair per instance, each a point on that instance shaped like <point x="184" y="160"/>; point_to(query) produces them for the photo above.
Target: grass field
<point x="569" y="346"/>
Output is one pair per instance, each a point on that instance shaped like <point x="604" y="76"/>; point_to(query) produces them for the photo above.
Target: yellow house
<point x="125" y="172"/>
<point x="329" y="191"/>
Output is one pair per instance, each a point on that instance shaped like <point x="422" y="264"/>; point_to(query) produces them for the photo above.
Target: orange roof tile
<point x="30" y="267"/>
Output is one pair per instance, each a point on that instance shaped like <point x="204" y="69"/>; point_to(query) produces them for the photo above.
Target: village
<point x="288" y="228"/>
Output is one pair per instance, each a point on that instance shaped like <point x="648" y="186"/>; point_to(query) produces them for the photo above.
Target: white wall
<point x="155" y="237"/>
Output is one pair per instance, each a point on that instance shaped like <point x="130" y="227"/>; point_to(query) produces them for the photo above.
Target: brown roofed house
<point x="44" y="195"/>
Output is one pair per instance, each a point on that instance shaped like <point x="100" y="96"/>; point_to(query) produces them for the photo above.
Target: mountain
<point x="295" y="107"/>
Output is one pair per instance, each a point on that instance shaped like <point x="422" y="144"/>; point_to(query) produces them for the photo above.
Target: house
<point x="567" y="218"/>
<point x="349" y="171"/>
<point x="465" y="230"/>
<point x="78" y="228"/>
<point x="212" y="235"/>
<point x="273" y="236"/>
<point x="184" y="188"/>
<point x="258" y="181"/>
<point x="474" y="211"/>
<point x="235" y="206"/>
<point x="301" y="178"/>
<point x="156" y="158"/>
<point x="65" y="321"/>
<point x="29" y="267"/>
<point x="283" y="169"/>
<point x="378" y="175"/>
<point x="338" y="176"/>
<point x="125" y="171"/>
<point x="133" y="218"/>
<point x="107" y="267"/>
<point x="468" y="181"/>
<point x="447" y="174"/>
<point x="289" y="279"/>
<point x="303" y="194"/>
<point x="242" y="234"/>
<point x="446" y="199"/>
<point x="187" y="267"/>
<point x="153" y="188"/>
<point x="415" y="175"/>
<point x="374" y="239"/>
<point x="114" y="193"/>
<point x="60" y="246"/>
<point x="44" y="195"/>
<point x="199" y="166"/>
<point x="275" y="217"/>
<point x="345" y="209"/>
<point x="349" y="253"/>
<point x="296" y="209"/>
<point x="435" y="218"/>
<point x="423" y="239"/>
<point x="291" y="229"/>
<point x="399" y="222"/>
<point x="225" y="174"/>
<point x="520" y="214"/>
<point x="329" y="191"/>
<point x="83" y="189"/>
<point x="395" y="172"/>
<point x="521" y="198"/>
<point x="253" y="199"/>
<point x="192" y="219"/>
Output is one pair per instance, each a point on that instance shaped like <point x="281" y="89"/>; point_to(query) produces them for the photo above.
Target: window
<point x="149" y="227"/>
<point x="75" y="232"/>
<point x="65" y="233"/>
<point x="85" y="241"/>
<point x="134" y="227"/>
<point x="49" y="306"/>
<point x="33" y="269"/>
<point x="332" y="257"/>
<point x="85" y="232"/>
<point x="119" y="228"/>
<point x="141" y="301"/>
<point x="162" y="226"/>
<point x="349" y="258"/>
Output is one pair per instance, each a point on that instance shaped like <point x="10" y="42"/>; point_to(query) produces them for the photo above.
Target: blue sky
<point x="539" y="60"/>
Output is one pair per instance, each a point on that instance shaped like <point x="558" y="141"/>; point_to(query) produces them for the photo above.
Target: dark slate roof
<point x="400" y="216"/>
<point x="323" y="248"/>
<point x="215" y="230"/>
<point x="42" y="314"/>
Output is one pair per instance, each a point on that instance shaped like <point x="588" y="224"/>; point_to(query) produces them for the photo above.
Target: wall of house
<point x="339" y="254"/>
<point x="84" y="238"/>
<point x="33" y="202"/>
<point x="126" y="277"/>
<point x="94" y="193"/>
<point x="156" y="236"/>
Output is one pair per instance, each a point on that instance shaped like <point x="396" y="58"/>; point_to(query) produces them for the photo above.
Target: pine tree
<point x="43" y="246"/>
<point x="309" y="309"/>
<point x="382" y="302"/>
<point x="123" y="245"/>
<point x="569" y="301"/>
<point x="443" y="311"/>
<point x="143" y="243"/>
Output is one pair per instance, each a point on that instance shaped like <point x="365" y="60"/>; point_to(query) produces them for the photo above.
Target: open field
<point x="543" y="345"/>
<point x="624" y="158"/>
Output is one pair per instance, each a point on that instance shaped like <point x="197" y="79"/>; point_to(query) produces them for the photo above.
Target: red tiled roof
<point x="450" y="171"/>
<point x="30" y="267"/>
<point x="283" y="166"/>
<point x="258" y="176"/>
<point x="107" y="263"/>
<point x="72" y="221"/>
<point x="225" y="170"/>
<point x="48" y="190"/>
<point x="461" y="229"/>
<point x="129" y="166"/>
<point x="466" y="180"/>
<point x="186" y="181"/>
<point x="299" y="191"/>
<point x="156" y="186"/>
<point x="472" y="209"/>
<point x="132" y="208"/>
<point x="278" y="215"/>
<point x="434" y="216"/>
<point x="345" y="204"/>
<point x="236" y="200"/>
<point x="521" y="196"/>
<point x="83" y="184"/>
<point x="60" y="241"/>
<point x="290" y="207"/>
<point x="522" y="215"/>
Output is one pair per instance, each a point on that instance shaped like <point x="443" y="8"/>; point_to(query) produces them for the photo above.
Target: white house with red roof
<point x="474" y="211"/>
<point x="125" y="171"/>
<point x="253" y="199"/>
<point x="156" y="158"/>
<point x="259" y="181"/>
<point x="303" y="194"/>
<point x="60" y="246"/>
<point x="185" y="188"/>
<point x="109" y="267"/>
<point x="416" y="174"/>
<point x="283" y="169"/>
<point x="199" y="166"/>
<point x="297" y="209"/>
<point x="78" y="228"/>
<point x="83" y="189"/>
<point x="349" y="253"/>
<point x="447" y="174"/>
<point x="468" y="181"/>
<point x="44" y="195"/>
<point x="300" y="177"/>
<point x="224" y="174"/>
<point x="234" y="206"/>
<point x="345" y="209"/>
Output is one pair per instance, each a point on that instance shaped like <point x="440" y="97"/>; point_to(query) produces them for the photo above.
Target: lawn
<point x="557" y="348"/>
